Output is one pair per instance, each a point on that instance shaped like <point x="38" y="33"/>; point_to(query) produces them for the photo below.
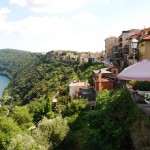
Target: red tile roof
<point x="146" y="38"/>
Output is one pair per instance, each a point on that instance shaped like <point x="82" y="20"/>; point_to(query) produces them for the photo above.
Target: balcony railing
<point x="125" y="50"/>
<point x="117" y="55"/>
<point x="136" y="54"/>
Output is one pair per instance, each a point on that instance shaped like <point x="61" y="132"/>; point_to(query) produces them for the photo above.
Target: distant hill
<point x="43" y="77"/>
<point x="12" y="60"/>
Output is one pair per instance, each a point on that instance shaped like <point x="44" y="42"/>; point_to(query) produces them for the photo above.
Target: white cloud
<point x="123" y="24"/>
<point x="55" y="6"/>
<point x="38" y="26"/>
<point x="3" y="17"/>
<point x="4" y="11"/>
<point x="85" y="18"/>
<point x="54" y="32"/>
<point x="21" y="3"/>
<point x="49" y="30"/>
<point x="103" y="1"/>
<point x="55" y="25"/>
<point x="50" y="6"/>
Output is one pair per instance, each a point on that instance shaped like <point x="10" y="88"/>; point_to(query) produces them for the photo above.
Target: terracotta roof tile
<point x="146" y="38"/>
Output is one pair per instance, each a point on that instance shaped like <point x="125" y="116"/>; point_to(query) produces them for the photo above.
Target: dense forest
<point x="29" y="119"/>
<point x="12" y="61"/>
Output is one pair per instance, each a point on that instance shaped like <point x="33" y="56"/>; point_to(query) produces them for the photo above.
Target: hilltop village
<point x="118" y="50"/>
<point x="118" y="54"/>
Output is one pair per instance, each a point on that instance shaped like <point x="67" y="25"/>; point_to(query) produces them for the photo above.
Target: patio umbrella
<point x="139" y="71"/>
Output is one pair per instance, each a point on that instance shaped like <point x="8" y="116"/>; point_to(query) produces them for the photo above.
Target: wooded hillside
<point x="29" y="120"/>
<point x="11" y="61"/>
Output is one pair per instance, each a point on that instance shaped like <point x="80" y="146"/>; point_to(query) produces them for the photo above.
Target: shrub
<point x="8" y="130"/>
<point x="24" y="142"/>
<point x="22" y="116"/>
<point x="50" y="115"/>
<point x="110" y="123"/>
<point x="143" y="85"/>
<point x="133" y="83"/>
<point x="76" y="106"/>
<point x="51" y="132"/>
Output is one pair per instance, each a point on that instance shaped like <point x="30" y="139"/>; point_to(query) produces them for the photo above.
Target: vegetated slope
<point x="47" y="76"/>
<point x="108" y="127"/>
<point x="105" y="128"/>
<point x="11" y="61"/>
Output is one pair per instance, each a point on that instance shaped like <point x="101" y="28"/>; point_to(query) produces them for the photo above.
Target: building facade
<point x="109" y="42"/>
<point x="144" y="48"/>
<point x="74" y="88"/>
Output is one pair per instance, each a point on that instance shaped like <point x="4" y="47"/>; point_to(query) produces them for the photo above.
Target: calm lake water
<point x="4" y="81"/>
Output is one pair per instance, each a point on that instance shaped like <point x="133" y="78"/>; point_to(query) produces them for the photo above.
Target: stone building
<point x="74" y="88"/>
<point x="109" y="42"/>
<point x="144" y="48"/>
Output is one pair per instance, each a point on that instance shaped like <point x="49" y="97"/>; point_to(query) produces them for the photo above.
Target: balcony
<point x="117" y="55"/>
<point x="120" y="46"/>
<point x="136" y="54"/>
<point x="120" y="39"/>
<point x="125" y="50"/>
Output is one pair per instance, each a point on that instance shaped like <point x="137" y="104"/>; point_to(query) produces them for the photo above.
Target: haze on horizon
<point x="80" y="25"/>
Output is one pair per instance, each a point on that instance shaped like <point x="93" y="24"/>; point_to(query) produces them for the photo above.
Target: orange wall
<point x="114" y="70"/>
<point x="104" y="85"/>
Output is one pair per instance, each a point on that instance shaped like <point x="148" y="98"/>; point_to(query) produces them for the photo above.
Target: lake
<point x="4" y="81"/>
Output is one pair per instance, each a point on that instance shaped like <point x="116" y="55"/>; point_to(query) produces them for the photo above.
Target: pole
<point x="133" y="55"/>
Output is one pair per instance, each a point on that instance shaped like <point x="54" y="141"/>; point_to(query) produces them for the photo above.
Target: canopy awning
<point x="139" y="71"/>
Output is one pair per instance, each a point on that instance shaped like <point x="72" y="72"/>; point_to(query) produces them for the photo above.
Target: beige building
<point x="127" y="34"/>
<point x="109" y="42"/>
<point x="86" y="57"/>
<point x="125" y="37"/>
<point x="83" y="58"/>
<point x="74" y="88"/>
<point x="144" y="48"/>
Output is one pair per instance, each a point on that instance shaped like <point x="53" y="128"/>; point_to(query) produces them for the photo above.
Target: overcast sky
<point x="81" y="25"/>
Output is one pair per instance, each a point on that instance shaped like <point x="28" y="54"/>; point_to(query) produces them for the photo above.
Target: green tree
<point x="8" y="130"/>
<point x="48" y="109"/>
<point x="36" y="108"/>
<point x="51" y="132"/>
<point x="3" y="110"/>
<point x="76" y="106"/>
<point x="24" y="142"/>
<point x="22" y="116"/>
<point x="111" y="122"/>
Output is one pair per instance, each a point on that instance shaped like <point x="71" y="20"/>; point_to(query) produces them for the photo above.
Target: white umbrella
<point x="139" y="71"/>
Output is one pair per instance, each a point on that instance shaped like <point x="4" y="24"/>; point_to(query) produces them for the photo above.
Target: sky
<point x="80" y="25"/>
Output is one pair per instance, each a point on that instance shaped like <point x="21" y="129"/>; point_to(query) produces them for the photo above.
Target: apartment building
<point x="109" y="42"/>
